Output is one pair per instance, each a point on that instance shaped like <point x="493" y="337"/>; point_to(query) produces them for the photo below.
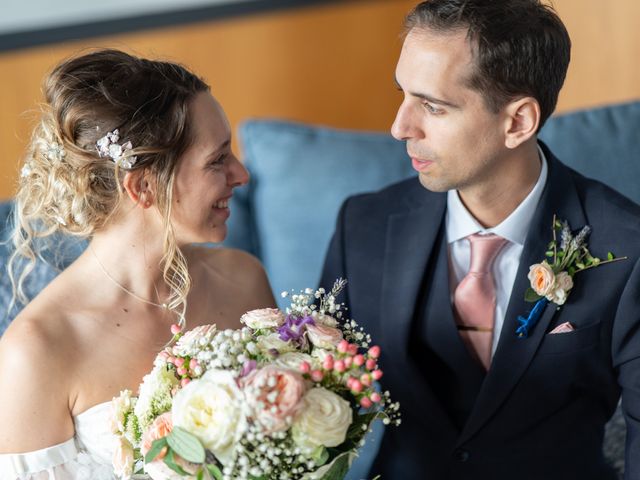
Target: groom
<point x="438" y="268"/>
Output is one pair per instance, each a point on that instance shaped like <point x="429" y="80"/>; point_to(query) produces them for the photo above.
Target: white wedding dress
<point x="86" y="456"/>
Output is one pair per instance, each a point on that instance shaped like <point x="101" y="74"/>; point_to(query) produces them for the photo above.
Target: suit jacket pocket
<point x="564" y="343"/>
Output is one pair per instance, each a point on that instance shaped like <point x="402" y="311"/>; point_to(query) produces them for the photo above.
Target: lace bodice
<point x="86" y="456"/>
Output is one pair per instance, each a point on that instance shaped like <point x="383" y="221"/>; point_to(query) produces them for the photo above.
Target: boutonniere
<point x="552" y="279"/>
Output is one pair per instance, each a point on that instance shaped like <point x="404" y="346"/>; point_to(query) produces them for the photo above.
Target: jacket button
<point x="461" y="455"/>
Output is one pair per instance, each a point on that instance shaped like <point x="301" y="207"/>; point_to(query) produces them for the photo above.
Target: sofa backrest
<point x="301" y="174"/>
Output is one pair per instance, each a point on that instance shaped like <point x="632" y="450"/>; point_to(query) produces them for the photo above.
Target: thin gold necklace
<point x="123" y="288"/>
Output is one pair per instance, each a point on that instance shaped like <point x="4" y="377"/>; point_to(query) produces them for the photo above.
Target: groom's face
<point x="453" y="139"/>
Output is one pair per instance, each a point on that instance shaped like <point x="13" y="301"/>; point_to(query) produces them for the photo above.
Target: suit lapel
<point x="410" y="241"/>
<point x="514" y="354"/>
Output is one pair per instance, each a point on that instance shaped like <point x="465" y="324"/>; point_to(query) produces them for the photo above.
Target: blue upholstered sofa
<point x="301" y="174"/>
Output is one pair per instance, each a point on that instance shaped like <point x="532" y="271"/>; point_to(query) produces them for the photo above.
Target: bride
<point x="135" y="155"/>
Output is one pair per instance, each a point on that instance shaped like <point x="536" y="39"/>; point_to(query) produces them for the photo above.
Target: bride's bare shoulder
<point x="36" y="365"/>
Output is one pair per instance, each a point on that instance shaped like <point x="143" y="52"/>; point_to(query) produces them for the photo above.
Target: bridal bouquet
<point x="291" y="395"/>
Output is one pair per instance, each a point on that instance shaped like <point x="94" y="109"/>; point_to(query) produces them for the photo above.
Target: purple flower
<point x="293" y="328"/>
<point x="247" y="367"/>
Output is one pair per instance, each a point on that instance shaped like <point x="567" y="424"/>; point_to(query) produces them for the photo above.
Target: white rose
<point x="293" y="360"/>
<point x="323" y="420"/>
<point x="211" y="408"/>
<point x="274" y="342"/>
<point x="263" y="318"/>
<point x="564" y="281"/>
<point x="558" y="296"/>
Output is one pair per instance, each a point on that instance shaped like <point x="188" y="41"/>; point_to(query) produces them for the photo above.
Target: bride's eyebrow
<point x="224" y="146"/>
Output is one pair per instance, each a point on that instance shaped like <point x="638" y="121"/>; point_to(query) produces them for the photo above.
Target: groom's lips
<point x="420" y="164"/>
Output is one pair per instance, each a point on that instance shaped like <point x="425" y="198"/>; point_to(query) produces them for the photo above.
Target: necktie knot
<point x="484" y="250"/>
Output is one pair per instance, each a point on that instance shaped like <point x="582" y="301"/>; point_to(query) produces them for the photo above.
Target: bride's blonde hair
<point x="66" y="187"/>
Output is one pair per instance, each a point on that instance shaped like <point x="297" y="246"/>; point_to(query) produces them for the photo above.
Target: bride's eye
<point x="217" y="162"/>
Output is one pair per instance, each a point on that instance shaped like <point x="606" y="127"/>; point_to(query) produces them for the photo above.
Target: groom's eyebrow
<point x="428" y="98"/>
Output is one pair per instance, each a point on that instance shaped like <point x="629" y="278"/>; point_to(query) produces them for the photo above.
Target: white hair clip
<point x="55" y="152"/>
<point x="108" y="146"/>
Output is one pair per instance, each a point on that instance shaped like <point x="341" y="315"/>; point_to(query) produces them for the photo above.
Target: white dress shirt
<point x="460" y="224"/>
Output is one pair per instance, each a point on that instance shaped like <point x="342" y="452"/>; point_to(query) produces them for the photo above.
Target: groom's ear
<point x="139" y="187"/>
<point x="523" y="118"/>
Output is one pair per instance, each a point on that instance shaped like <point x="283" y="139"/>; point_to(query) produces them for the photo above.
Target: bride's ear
<point x="139" y="188"/>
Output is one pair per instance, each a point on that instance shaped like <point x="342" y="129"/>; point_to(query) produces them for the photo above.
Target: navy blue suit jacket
<point x="541" y="409"/>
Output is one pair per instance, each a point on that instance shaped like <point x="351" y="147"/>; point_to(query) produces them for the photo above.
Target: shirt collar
<point x="460" y="223"/>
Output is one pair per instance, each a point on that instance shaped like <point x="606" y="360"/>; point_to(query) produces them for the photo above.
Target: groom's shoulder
<point x="605" y="205"/>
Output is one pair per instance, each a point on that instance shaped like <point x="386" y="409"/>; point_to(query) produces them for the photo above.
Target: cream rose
<point x="263" y="318"/>
<point x="123" y="459"/>
<point x="324" y="420"/>
<point x="323" y="336"/>
<point x="564" y="281"/>
<point x="274" y="396"/>
<point x="211" y="409"/>
<point x="266" y="343"/>
<point x="542" y="278"/>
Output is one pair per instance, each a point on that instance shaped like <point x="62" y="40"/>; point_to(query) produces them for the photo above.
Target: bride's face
<point x="205" y="176"/>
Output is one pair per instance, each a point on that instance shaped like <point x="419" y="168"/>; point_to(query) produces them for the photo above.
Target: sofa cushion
<point x="299" y="177"/>
<point x="601" y="143"/>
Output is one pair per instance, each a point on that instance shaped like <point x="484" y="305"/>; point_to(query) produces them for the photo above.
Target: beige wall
<point x="331" y="65"/>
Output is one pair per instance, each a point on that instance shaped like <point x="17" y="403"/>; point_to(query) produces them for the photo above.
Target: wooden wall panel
<point x="605" y="66"/>
<point x="331" y="65"/>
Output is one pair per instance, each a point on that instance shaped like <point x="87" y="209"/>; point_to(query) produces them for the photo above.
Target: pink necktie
<point x="474" y="299"/>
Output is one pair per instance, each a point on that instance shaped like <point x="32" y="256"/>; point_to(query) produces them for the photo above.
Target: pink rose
<point x="263" y="318"/>
<point x="160" y="428"/>
<point x="274" y="394"/>
<point x="323" y="336"/>
<point x="542" y="278"/>
<point x="194" y="335"/>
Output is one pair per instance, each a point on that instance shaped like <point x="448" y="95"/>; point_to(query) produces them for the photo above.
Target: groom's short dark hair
<point x="520" y="47"/>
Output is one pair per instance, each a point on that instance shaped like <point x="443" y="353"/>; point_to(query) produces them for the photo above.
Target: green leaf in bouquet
<point x="320" y="455"/>
<point x="156" y="448"/>
<point x="170" y="461"/>
<point x="215" y="471"/>
<point x="336" y="470"/>
<point x="186" y="445"/>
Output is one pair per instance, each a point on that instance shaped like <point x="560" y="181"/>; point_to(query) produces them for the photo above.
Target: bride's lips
<point x="420" y="164"/>
<point x="223" y="211"/>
